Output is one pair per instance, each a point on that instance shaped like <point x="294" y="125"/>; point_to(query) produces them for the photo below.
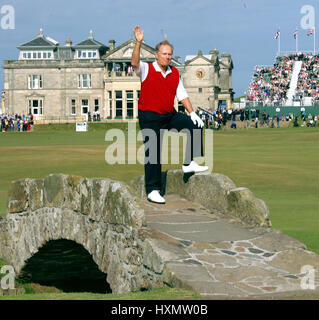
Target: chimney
<point x="112" y="44"/>
<point x="40" y="34"/>
<point x="91" y="35"/>
<point x="68" y="42"/>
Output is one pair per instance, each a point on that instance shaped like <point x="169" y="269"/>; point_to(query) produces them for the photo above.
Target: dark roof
<point x="38" y="42"/>
<point x="90" y="43"/>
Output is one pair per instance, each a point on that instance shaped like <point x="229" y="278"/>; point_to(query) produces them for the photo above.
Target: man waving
<point x="160" y="84"/>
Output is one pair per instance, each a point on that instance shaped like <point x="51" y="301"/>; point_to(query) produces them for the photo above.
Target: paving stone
<point x="213" y="259"/>
<point x="275" y="241"/>
<point x="268" y="254"/>
<point x="202" y="245"/>
<point x="272" y="289"/>
<point x="186" y="243"/>
<point x="242" y="244"/>
<point x="235" y="275"/>
<point x="293" y="260"/>
<point x="222" y="245"/>
<point x="251" y="256"/>
<point x="217" y="288"/>
<point x="189" y="271"/>
<point x="254" y="250"/>
<point x="249" y="288"/>
<point x="231" y="253"/>
<point x="192" y="261"/>
<point x="240" y="249"/>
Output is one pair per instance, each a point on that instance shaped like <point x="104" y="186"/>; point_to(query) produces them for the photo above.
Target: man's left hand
<point x="196" y="119"/>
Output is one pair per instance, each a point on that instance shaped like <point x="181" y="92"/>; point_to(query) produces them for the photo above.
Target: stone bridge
<point x="133" y="243"/>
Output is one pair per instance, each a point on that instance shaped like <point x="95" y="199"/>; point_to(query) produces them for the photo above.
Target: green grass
<point x="157" y="294"/>
<point x="279" y="166"/>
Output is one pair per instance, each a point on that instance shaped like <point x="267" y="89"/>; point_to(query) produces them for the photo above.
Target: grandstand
<point x="291" y="81"/>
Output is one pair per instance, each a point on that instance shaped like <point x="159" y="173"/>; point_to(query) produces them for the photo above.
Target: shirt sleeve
<point x="142" y="72"/>
<point x="181" y="92"/>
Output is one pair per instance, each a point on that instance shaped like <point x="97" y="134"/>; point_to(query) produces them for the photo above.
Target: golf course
<point x="279" y="165"/>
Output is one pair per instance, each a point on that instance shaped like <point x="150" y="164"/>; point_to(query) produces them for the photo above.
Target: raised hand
<point x="139" y="35"/>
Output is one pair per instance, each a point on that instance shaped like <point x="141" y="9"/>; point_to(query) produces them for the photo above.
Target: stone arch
<point x="99" y="214"/>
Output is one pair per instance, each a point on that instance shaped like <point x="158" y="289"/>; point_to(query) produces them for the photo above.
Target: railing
<point x="118" y="74"/>
<point x="59" y="119"/>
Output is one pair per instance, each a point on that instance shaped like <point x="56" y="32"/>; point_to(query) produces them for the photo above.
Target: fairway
<point x="279" y="165"/>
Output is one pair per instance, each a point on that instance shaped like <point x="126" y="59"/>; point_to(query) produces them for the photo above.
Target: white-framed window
<point x="35" y="106"/>
<point x="36" y="55"/>
<point x="35" y="81"/>
<point x="118" y="104"/>
<point x="73" y="107"/>
<point x="84" y="80"/>
<point x="86" y="54"/>
<point x="84" y="106"/>
<point x="110" y="104"/>
<point x="129" y="103"/>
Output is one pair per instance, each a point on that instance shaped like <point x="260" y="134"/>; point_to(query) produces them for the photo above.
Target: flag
<point x="310" y="32"/>
<point x="277" y="34"/>
<point x="296" y="33"/>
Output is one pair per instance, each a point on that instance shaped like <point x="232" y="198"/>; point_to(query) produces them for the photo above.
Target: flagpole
<point x="297" y="42"/>
<point x="314" y="41"/>
<point x="279" y="43"/>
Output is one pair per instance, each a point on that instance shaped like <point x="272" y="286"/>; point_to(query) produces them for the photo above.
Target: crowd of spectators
<point x="308" y="79"/>
<point x="269" y="85"/>
<point x="16" y="122"/>
<point x="253" y="117"/>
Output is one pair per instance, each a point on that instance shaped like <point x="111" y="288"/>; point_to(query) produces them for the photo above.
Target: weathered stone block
<point x="53" y="191"/>
<point x="72" y="193"/>
<point x="242" y="204"/>
<point x="215" y="192"/>
<point x="36" y="194"/>
<point x="17" y="197"/>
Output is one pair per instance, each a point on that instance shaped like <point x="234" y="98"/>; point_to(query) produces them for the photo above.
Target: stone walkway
<point x="221" y="258"/>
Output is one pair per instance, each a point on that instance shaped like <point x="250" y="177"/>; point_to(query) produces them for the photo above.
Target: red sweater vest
<point x="158" y="93"/>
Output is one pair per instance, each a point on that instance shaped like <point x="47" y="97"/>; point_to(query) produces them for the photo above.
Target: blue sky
<point x="243" y="28"/>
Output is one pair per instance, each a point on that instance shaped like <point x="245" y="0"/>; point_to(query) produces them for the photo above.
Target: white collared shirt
<point x="181" y="92"/>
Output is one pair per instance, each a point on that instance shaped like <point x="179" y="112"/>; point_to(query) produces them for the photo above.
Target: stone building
<point x="208" y="80"/>
<point x="68" y="82"/>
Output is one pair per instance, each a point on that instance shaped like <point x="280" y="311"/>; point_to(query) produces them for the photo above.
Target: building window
<point x="200" y="90"/>
<point x="86" y="54"/>
<point x="96" y="105"/>
<point x="110" y="104"/>
<point x="37" y="55"/>
<point x="85" y="106"/>
<point x="73" y="107"/>
<point x="35" y="81"/>
<point x="35" y="106"/>
<point x="118" y="104"/>
<point x="85" y="81"/>
<point x="129" y="104"/>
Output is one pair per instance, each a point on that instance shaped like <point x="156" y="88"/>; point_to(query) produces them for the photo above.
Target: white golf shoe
<point x="155" y="197"/>
<point x="194" y="167"/>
